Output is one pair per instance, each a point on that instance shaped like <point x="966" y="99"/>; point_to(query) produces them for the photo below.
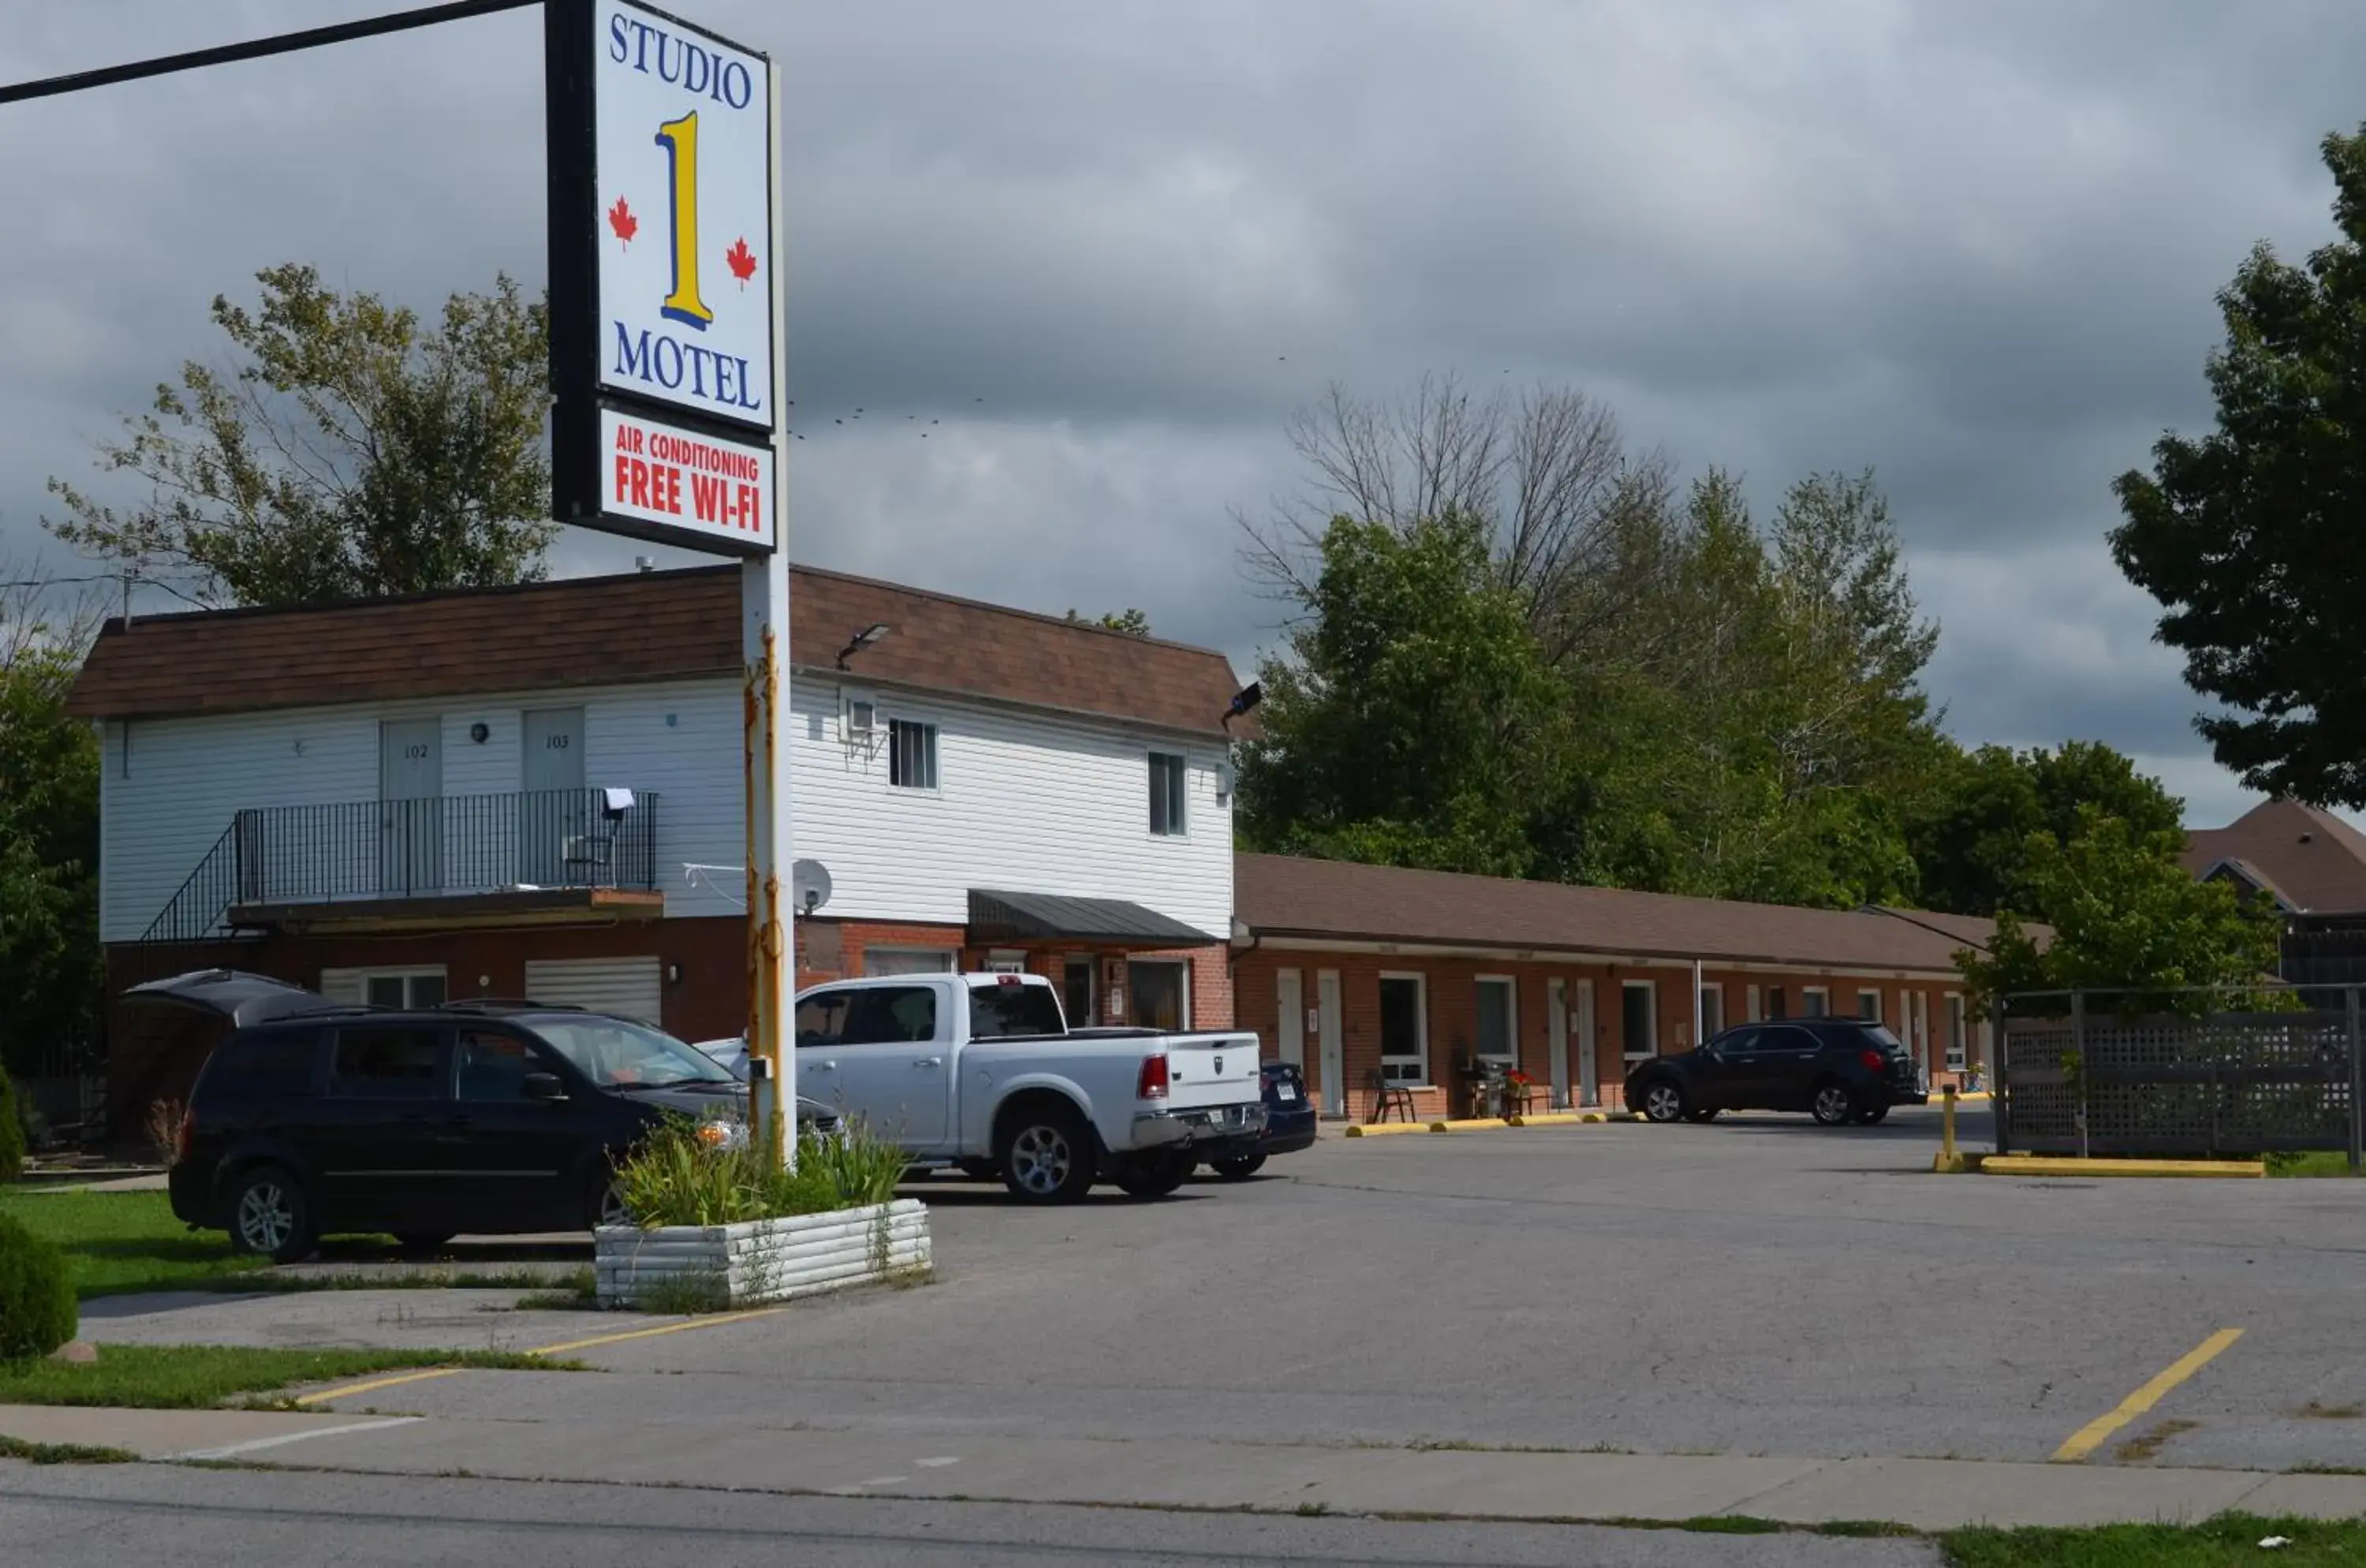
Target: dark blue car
<point x="1289" y="1127"/>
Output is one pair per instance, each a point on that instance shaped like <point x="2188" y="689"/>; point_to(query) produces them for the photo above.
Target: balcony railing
<point x="441" y="847"/>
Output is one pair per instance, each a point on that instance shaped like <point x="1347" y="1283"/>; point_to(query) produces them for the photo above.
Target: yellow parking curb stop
<point x="2063" y="1164"/>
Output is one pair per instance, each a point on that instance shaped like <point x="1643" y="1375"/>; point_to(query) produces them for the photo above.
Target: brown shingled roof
<point x="1277" y="896"/>
<point x="646" y="627"/>
<point x="2311" y="859"/>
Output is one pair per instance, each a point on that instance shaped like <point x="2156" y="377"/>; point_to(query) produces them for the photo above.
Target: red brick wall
<point x="1452" y="997"/>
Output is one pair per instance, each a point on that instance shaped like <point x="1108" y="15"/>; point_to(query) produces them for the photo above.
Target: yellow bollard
<point x="1948" y="1161"/>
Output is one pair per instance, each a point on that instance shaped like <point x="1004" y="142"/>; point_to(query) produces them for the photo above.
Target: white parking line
<point x="257" y="1445"/>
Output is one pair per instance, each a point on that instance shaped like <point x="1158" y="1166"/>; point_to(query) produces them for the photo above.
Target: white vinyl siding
<point x="633" y="986"/>
<point x="1029" y="801"/>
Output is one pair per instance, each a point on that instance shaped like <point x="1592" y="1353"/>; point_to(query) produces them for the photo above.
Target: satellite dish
<point x="809" y="884"/>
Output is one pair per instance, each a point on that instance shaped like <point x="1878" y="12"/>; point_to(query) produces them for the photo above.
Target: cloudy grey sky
<point x="1111" y="244"/>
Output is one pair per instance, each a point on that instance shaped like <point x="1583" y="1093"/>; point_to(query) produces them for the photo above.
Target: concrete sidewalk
<point x="1928" y="1494"/>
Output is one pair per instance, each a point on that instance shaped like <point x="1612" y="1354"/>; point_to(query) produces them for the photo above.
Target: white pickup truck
<point x="982" y="1072"/>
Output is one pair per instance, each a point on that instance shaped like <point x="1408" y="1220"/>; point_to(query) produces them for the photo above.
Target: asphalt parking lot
<point x="1757" y="1286"/>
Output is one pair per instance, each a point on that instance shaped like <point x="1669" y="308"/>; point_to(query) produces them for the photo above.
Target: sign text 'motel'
<point x="661" y="322"/>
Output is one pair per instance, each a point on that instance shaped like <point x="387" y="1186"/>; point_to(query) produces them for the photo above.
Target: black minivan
<point x="313" y="1116"/>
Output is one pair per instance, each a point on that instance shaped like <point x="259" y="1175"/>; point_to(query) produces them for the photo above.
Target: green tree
<point x="51" y="964"/>
<point x="2129" y="925"/>
<point x="1768" y="718"/>
<point x="1970" y="834"/>
<point x="1130" y="621"/>
<point x="354" y="452"/>
<point x="1413" y="719"/>
<point x="2249" y="536"/>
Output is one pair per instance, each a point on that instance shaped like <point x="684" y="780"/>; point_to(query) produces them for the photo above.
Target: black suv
<point x="1838" y="1069"/>
<point x="313" y="1116"/>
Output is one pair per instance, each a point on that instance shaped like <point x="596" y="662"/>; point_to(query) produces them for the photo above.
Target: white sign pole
<point x="764" y="645"/>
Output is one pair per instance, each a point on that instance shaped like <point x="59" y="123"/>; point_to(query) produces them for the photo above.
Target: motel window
<point x="1638" y="1018"/>
<point x="1955" y="1032"/>
<point x="1167" y="794"/>
<point x="1404" y="1029"/>
<point x="1158" y="993"/>
<point x="422" y="986"/>
<point x="877" y="960"/>
<point x="911" y="754"/>
<point x="1868" y="1005"/>
<point x="1815" y="1001"/>
<point x="1498" y="1021"/>
<point x="1712" y="1005"/>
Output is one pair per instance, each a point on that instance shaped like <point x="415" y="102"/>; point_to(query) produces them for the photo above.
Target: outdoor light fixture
<point x="1247" y="697"/>
<point x="864" y="639"/>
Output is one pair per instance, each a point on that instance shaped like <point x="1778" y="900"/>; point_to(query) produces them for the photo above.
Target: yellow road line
<point x="348" y="1391"/>
<point x="323" y="1396"/>
<point x="716" y="1322"/>
<point x="2091" y="1437"/>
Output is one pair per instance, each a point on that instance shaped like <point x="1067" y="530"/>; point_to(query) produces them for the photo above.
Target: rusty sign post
<point x="667" y="320"/>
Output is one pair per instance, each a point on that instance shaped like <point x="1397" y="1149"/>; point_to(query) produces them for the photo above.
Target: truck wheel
<point x="1045" y="1153"/>
<point x="1153" y="1175"/>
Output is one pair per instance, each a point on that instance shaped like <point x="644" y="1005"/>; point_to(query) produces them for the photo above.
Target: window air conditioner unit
<point x="861" y="718"/>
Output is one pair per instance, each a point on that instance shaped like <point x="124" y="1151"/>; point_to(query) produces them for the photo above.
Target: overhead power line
<point x="258" y="49"/>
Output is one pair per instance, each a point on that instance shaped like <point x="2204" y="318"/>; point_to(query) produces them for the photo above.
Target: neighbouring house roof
<point x="1278" y="896"/>
<point x="2309" y="861"/>
<point x="646" y="627"/>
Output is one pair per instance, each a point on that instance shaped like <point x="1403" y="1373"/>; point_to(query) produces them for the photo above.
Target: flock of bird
<point x="855" y="418"/>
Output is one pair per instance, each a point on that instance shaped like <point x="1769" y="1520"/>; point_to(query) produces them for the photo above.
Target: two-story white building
<point x="537" y="791"/>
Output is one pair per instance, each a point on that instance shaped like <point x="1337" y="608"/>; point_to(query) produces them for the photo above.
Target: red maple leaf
<point x="740" y="260"/>
<point x="621" y="219"/>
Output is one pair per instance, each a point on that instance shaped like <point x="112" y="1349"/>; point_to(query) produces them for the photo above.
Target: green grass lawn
<point x="126" y="1241"/>
<point x="2313" y="1162"/>
<point x="191" y="1377"/>
<point x="121" y="1242"/>
<point x="2233" y="1538"/>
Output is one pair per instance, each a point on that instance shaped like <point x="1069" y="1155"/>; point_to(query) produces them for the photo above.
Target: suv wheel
<point x="1662" y="1101"/>
<point x="269" y="1214"/>
<point x="1833" y="1105"/>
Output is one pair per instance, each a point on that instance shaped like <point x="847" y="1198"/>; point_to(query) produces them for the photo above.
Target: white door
<point x="410" y="807"/>
<point x="1557" y="1019"/>
<point x="1335" y="1066"/>
<point x="1589" y="1071"/>
<point x="632" y="986"/>
<point x="1291" y="1030"/>
<point x="555" y="818"/>
<point x="1922" y="1033"/>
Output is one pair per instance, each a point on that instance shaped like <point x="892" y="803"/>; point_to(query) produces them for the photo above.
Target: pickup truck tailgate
<point x="1207" y="1070"/>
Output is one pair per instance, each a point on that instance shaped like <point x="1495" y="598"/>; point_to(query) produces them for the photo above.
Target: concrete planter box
<point x="761" y="1260"/>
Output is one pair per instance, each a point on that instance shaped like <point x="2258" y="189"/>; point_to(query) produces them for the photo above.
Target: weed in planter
<point x="674" y="1176"/>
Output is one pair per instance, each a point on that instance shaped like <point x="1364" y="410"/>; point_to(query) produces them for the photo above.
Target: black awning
<point x="996" y="916"/>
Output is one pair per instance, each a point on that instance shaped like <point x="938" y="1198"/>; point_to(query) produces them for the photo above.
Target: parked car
<point x="982" y="1073"/>
<point x="1837" y="1069"/>
<point x="313" y="1116"/>
<point x="1289" y="1127"/>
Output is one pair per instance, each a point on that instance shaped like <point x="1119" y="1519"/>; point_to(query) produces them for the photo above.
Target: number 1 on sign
<point x="679" y="139"/>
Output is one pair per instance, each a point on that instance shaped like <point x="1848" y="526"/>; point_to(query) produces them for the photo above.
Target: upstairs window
<point x="911" y="754"/>
<point x="1167" y="794"/>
